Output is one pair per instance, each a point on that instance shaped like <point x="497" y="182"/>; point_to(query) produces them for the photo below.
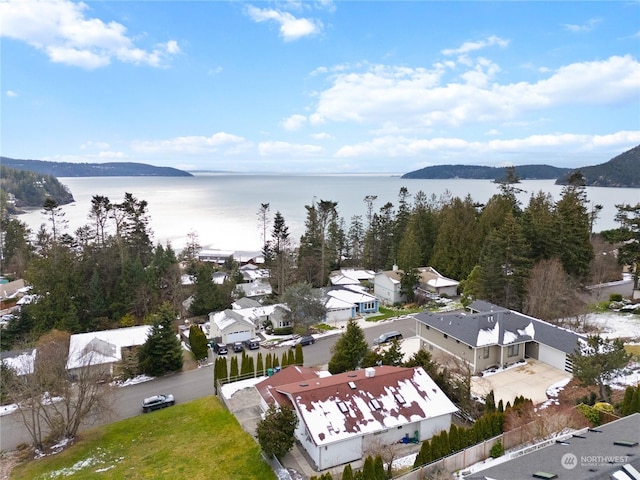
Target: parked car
<point x="306" y="340"/>
<point x="252" y="343"/>
<point x="220" y="348"/>
<point x="387" y="337"/>
<point x="156" y="402"/>
<point x="238" y="347"/>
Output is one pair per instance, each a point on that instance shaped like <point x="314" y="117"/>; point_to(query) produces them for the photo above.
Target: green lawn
<point x="195" y="440"/>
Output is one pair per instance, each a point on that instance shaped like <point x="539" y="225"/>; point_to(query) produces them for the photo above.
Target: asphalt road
<point x="193" y="384"/>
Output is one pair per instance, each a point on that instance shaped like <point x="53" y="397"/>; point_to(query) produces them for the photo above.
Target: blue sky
<point x="335" y="87"/>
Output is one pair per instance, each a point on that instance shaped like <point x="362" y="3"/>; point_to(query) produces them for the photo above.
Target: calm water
<point x="223" y="208"/>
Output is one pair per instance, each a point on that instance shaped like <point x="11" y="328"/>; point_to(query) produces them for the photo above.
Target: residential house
<point x="386" y="286"/>
<point x="609" y="451"/>
<point x="348" y="301"/>
<point x="245" y="302"/>
<point x="432" y="282"/>
<point x="229" y="326"/>
<point x="20" y="361"/>
<point x="351" y="276"/>
<point x="102" y="350"/>
<point x="343" y="416"/>
<point x="256" y="290"/>
<point x="278" y="317"/>
<point x="252" y="273"/>
<point x="495" y="336"/>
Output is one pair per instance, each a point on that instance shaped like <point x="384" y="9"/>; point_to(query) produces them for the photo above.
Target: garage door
<point x="553" y="357"/>
<point x="238" y="336"/>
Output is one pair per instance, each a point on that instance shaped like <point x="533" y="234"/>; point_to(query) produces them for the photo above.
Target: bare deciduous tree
<point x="54" y="402"/>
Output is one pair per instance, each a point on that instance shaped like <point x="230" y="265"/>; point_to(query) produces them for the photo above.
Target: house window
<point x="445" y="335"/>
<point x="513" y="350"/>
<point x="428" y="327"/>
<point x="485" y="352"/>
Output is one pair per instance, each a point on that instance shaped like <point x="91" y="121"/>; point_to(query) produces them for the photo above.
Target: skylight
<point x="352" y="385"/>
<point x="399" y="398"/>
<point x="545" y="475"/>
<point x="343" y="407"/>
<point x="375" y="404"/>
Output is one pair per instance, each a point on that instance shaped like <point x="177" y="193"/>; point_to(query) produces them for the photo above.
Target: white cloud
<point x="468" y="47"/>
<point x="218" y="142"/>
<point x="586" y="27"/>
<point x="11" y="93"/>
<point x="61" y="29"/>
<point x="442" y="148"/>
<point x="91" y="145"/>
<point x="294" y="122"/>
<point x="291" y="28"/>
<point x="402" y="98"/>
<point x="322" y="136"/>
<point x="285" y="149"/>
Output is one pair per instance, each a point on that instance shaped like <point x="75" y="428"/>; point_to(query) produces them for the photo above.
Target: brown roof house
<point x="342" y="416"/>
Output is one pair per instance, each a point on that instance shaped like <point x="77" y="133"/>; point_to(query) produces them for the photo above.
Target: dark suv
<point x="156" y="402"/>
<point x="252" y="343"/>
<point x="220" y="348"/>
<point x="306" y="340"/>
<point x="238" y="347"/>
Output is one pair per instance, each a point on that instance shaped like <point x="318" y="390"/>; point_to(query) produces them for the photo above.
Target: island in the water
<point x="622" y="171"/>
<point x="110" y="169"/>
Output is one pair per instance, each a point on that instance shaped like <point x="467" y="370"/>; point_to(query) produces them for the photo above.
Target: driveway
<point x="530" y="380"/>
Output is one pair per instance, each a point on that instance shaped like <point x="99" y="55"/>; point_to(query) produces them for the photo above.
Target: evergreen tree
<point x="504" y="266"/>
<point x="299" y="355"/>
<point x="259" y="365"/>
<point x="454" y="438"/>
<point x="369" y="469"/>
<point x="268" y="361"/>
<point x="457" y="246"/>
<point x="162" y="352"/>
<point x="393" y="354"/>
<point x="349" y="350"/>
<point x="233" y="370"/>
<point x="598" y="361"/>
<point x="198" y="342"/>
<point x="347" y="472"/>
<point x="378" y="466"/>
<point x="285" y="360"/>
<point x="424" y="456"/>
<point x="306" y="307"/>
<point x="539" y="227"/>
<point x="573" y="228"/>
<point x="629" y="234"/>
<point x="275" y="432"/>
<point x="291" y="359"/>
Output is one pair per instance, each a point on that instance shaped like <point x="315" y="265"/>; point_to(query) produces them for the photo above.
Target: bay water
<point x="222" y="208"/>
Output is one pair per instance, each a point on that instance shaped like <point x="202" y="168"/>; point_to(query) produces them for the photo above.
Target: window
<point x="485" y="352"/>
<point x="513" y="350"/>
<point x="445" y="335"/>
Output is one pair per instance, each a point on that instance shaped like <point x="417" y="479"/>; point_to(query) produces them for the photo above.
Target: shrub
<point x="497" y="450"/>
<point x="615" y="297"/>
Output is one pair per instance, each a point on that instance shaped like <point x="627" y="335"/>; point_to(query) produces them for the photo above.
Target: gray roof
<point x="246" y="302"/>
<point x="513" y="327"/>
<point x="596" y="455"/>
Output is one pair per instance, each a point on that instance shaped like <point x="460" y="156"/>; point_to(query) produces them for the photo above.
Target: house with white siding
<point x="342" y="416"/>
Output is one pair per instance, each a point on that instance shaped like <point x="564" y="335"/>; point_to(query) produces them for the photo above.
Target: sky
<point x="319" y="86"/>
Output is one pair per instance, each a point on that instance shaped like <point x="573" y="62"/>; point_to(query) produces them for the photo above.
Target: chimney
<point x="369" y="372"/>
<point x="395" y="267"/>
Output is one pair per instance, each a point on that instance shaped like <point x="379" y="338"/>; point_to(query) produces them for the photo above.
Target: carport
<point x="530" y="380"/>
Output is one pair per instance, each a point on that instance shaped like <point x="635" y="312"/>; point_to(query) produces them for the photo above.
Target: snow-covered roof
<point x="227" y="318"/>
<point x="255" y="289"/>
<point x="104" y="346"/>
<point x="500" y="326"/>
<point x="21" y="363"/>
<point x="366" y="401"/>
<point x="350" y="276"/>
<point x="353" y="296"/>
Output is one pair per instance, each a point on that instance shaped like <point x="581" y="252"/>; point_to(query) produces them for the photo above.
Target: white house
<point x="351" y="276"/>
<point x="348" y="301"/>
<point x="433" y="282"/>
<point x="386" y="286"/>
<point x="229" y="326"/>
<point x="103" y="349"/>
<point x="343" y="416"/>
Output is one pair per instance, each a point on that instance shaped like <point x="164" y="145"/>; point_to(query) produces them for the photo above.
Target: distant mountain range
<point x="620" y="171"/>
<point x="111" y="169"/>
<point x="524" y="172"/>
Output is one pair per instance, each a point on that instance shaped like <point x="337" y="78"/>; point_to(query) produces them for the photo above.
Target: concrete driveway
<point x="530" y="380"/>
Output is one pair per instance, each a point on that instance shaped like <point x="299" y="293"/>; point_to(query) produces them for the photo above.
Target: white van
<point x="387" y="337"/>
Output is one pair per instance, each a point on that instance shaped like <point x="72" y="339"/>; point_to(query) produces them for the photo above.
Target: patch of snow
<point x="552" y="392"/>
<point x="133" y="381"/>
<point x="228" y="389"/>
<point x="509" y="337"/>
<point x="488" y="336"/>
<point x="616" y="325"/>
<point x="626" y="377"/>
<point x="491" y="371"/>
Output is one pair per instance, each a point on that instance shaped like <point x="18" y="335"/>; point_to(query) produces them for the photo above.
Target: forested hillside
<point x="29" y="189"/>
<point x="111" y="169"/>
<point x="524" y="172"/>
<point x="620" y="171"/>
